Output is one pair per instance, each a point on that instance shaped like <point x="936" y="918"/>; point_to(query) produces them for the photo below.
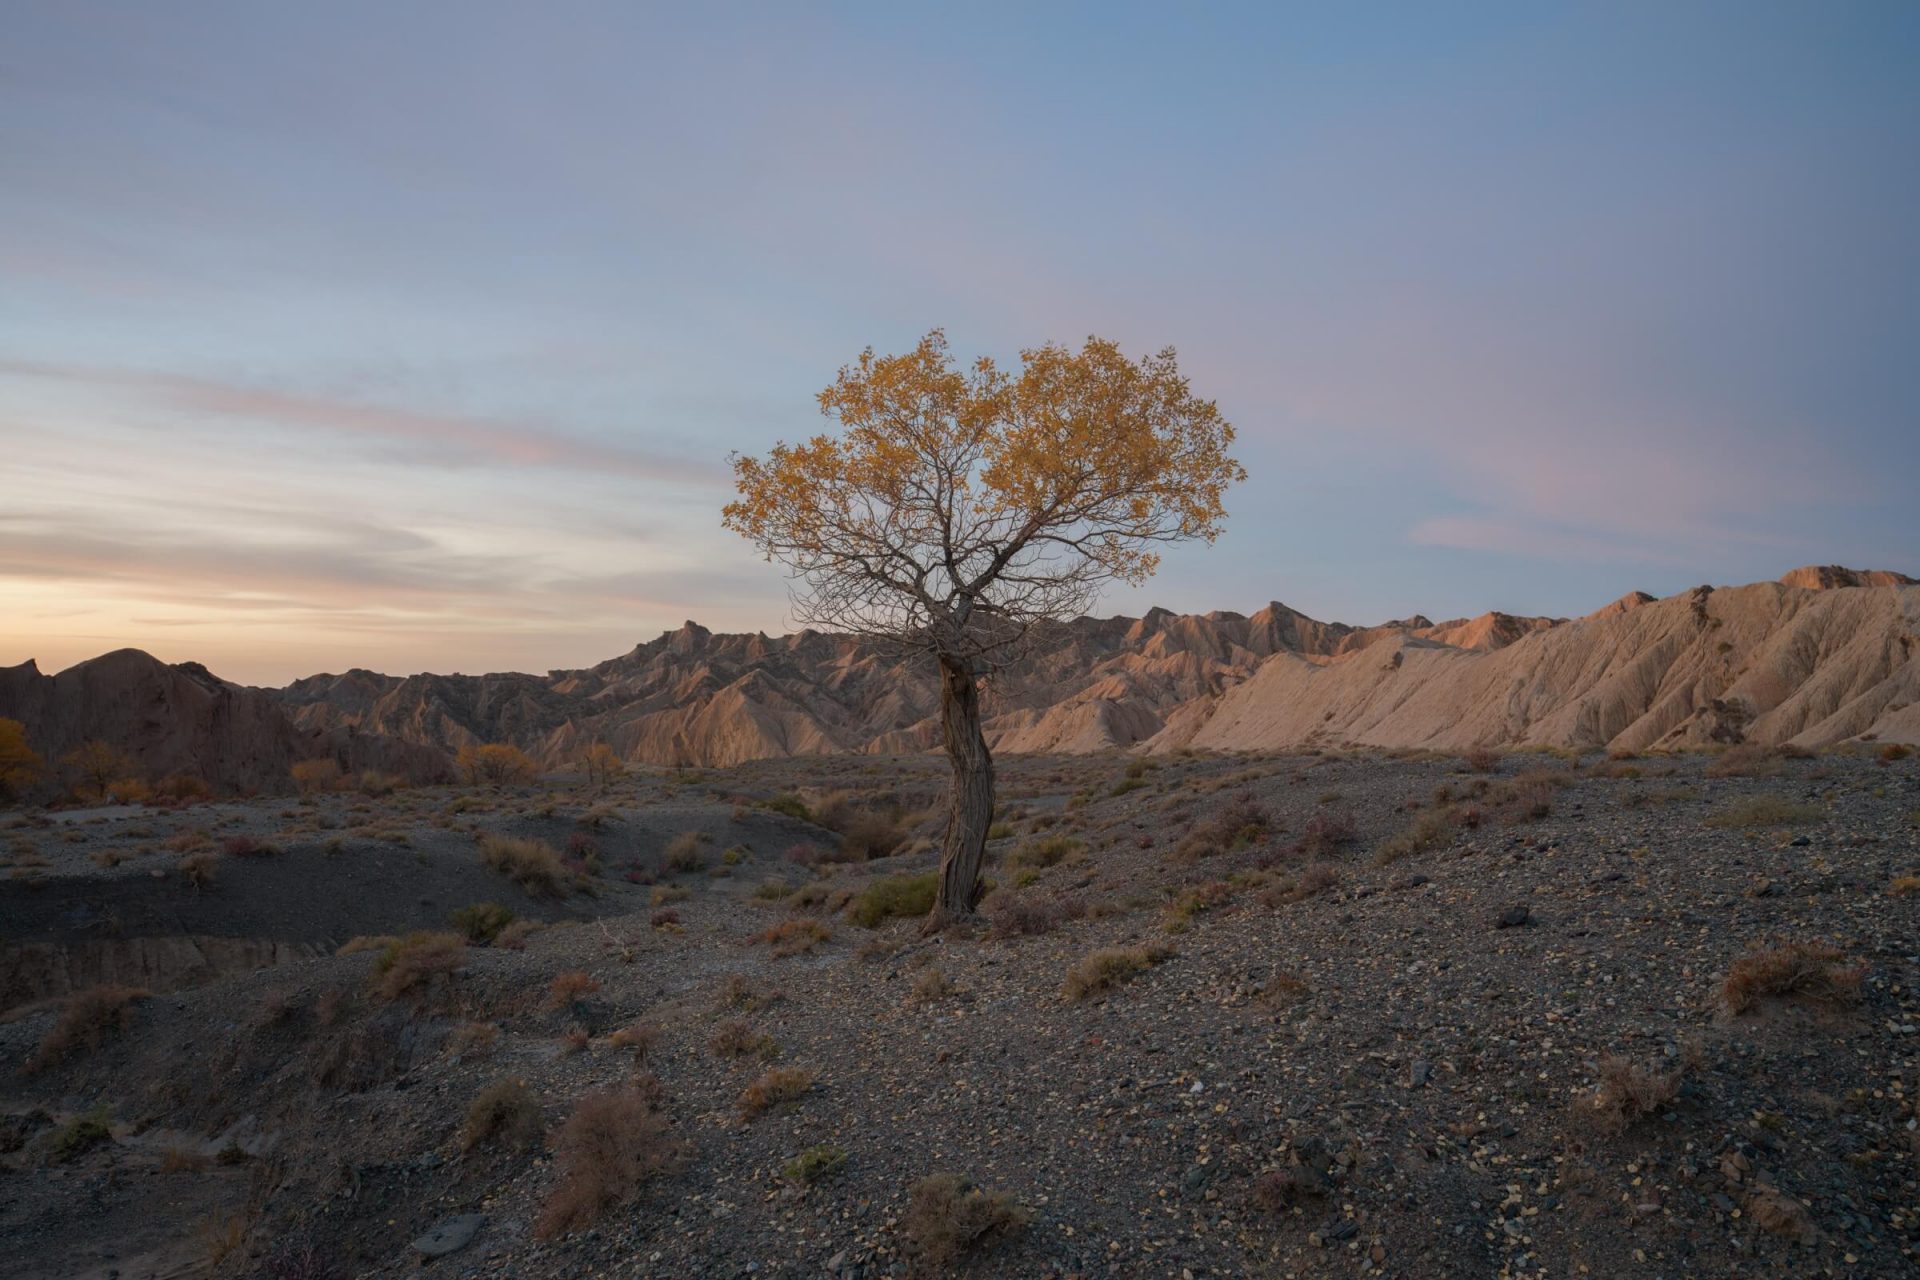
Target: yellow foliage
<point x="20" y="765"/>
<point x="966" y="503"/>
<point x="602" y="764"/>
<point x="98" y="765"/>
<point x="313" y="776"/>
<point x="496" y="764"/>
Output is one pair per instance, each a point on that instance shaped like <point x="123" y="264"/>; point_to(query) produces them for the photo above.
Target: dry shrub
<point x="738" y="992"/>
<point x="482" y="922"/>
<point x="639" y="1037"/>
<point x="199" y="869"/>
<point x="792" y="937"/>
<point x="514" y="936"/>
<point x="780" y="1087"/>
<point x="191" y="840"/>
<point x="473" y="1039"/>
<point x="612" y="1144"/>
<point x="1904" y="886"/>
<point x="1766" y="811"/>
<point x="1313" y="880"/>
<point x="1815" y="972"/>
<point x="1629" y="1092"/>
<point x="1015" y="915"/>
<point x="129" y="791"/>
<point x="1112" y="967"/>
<point x="735" y="1039"/>
<point x="1431" y="829"/>
<point x="1327" y="832"/>
<point x="534" y="865"/>
<point x="1748" y="760"/>
<point x="866" y="835"/>
<point x="1528" y="798"/>
<point x="86" y="1021"/>
<point x="1281" y="991"/>
<point x="182" y="789"/>
<point x="1482" y="760"/>
<point x="1894" y="751"/>
<point x="686" y="852"/>
<point x="504" y="1113"/>
<point x="415" y="961"/>
<point x="569" y="988"/>
<point x="1242" y="824"/>
<point x="931" y="985"/>
<point x="1196" y="900"/>
<point x="1045" y="852"/>
<point x="949" y="1217"/>
<point x="823" y="899"/>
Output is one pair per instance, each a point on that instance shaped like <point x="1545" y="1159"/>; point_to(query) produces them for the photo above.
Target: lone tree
<point x="958" y="507"/>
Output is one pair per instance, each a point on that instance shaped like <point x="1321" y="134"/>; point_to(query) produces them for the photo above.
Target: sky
<point x="415" y="337"/>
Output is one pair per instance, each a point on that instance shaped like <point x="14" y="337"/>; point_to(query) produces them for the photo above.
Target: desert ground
<point x="1325" y="1014"/>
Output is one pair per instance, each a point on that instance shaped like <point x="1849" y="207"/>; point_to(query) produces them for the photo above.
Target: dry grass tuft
<point x="1026" y="915"/>
<point x="1628" y="1092"/>
<point x="570" y="988"/>
<point x="794" y="937"/>
<point x="949" y="1217"/>
<point x="1815" y="972"/>
<point x="639" y="1037"/>
<point x="87" y="1019"/>
<point x="780" y="1087"/>
<point x="1748" y="760"/>
<point x="613" y="1143"/>
<point x="1431" y="829"/>
<point x="1766" y="811"/>
<point x="534" y="865"/>
<point x="1241" y="825"/>
<point x="503" y="1113"/>
<point x="735" y="1039"/>
<point x="1112" y="967"/>
<point x="415" y="961"/>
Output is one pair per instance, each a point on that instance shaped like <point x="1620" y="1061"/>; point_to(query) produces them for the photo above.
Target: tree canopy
<point x="958" y="506"/>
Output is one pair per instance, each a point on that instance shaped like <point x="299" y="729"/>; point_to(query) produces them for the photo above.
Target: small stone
<point x="1421" y="1073"/>
<point x="1514" y="917"/>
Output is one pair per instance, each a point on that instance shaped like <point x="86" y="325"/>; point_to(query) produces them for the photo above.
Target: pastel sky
<point x="414" y="336"/>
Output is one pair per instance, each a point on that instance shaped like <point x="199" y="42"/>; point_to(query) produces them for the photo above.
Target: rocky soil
<point x="1362" y="1018"/>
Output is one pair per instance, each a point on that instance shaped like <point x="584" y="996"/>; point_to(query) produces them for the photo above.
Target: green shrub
<point x="1045" y="852"/>
<point x="814" y="1164"/>
<point x="791" y="805"/>
<point x="904" y="896"/>
<point x="482" y="921"/>
<point x="81" y="1135"/>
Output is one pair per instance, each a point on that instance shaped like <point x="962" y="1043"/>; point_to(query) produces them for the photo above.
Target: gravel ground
<point x="1365" y="1054"/>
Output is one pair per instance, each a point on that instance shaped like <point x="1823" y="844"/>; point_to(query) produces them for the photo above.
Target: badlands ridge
<point x="1823" y="655"/>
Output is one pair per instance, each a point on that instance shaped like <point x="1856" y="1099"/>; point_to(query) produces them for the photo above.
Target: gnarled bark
<point x="969" y="803"/>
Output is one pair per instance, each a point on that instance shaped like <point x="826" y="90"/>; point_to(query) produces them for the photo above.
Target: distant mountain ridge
<point x="1822" y="655"/>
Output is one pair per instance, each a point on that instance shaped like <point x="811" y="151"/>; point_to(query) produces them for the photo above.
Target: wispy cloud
<point x="462" y="438"/>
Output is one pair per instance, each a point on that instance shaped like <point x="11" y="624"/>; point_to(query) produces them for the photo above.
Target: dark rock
<point x="450" y="1236"/>
<point x="1514" y="918"/>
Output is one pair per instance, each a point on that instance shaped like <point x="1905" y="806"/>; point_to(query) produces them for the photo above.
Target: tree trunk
<point x="970" y="801"/>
